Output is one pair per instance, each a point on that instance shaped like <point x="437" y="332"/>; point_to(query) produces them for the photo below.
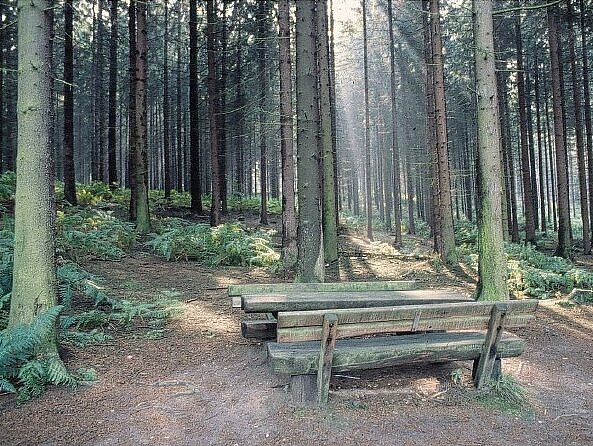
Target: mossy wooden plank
<point x="314" y="333"/>
<point x="356" y="354"/>
<point x="498" y="319"/>
<point x="324" y="368"/>
<point x="303" y="301"/>
<point x="409" y="312"/>
<point x="259" y="329"/>
<point x="266" y="288"/>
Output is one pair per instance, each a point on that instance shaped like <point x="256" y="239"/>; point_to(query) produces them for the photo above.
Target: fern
<point x="83" y="338"/>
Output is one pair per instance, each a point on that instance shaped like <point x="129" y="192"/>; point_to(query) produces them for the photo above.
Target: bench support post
<point x="488" y="364"/>
<point x="303" y="388"/>
<point x="326" y="355"/>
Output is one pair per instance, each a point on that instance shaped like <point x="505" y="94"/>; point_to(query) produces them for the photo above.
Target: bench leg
<point x="496" y="369"/>
<point x="303" y="388"/>
<point x="485" y="367"/>
<point x="326" y="355"/>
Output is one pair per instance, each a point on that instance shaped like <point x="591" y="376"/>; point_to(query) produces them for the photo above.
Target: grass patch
<point x="507" y="396"/>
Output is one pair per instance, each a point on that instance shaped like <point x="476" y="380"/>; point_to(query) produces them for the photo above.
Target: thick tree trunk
<point x="194" y="123"/>
<point x="367" y="128"/>
<point x="578" y="129"/>
<point x="330" y="230"/>
<point x="111" y="137"/>
<point x="34" y="287"/>
<point x="166" y="106"/>
<point x="587" y="106"/>
<point x="132" y="127"/>
<point x="289" y="224"/>
<point x="141" y="164"/>
<point x="397" y="208"/>
<point x="222" y="111"/>
<point x="525" y="169"/>
<point x="310" y="265"/>
<point x="563" y="249"/>
<point x="447" y="246"/>
<point x="212" y="114"/>
<point x="263" y="93"/>
<point x="69" y="175"/>
<point x="492" y="269"/>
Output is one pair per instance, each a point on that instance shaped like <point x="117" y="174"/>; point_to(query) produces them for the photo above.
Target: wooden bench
<point x="307" y="350"/>
<point x="271" y="299"/>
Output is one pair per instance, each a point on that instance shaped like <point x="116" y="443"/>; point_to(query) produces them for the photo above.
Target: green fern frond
<point x="58" y="374"/>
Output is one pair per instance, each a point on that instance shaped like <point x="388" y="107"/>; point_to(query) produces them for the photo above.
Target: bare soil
<point x="203" y="384"/>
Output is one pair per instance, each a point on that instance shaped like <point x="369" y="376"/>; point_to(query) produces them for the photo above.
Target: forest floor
<point x="203" y="384"/>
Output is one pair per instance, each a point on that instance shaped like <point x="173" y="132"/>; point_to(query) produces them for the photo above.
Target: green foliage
<point x="229" y="244"/>
<point x="94" y="233"/>
<point x="507" y="396"/>
<point x="21" y="370"/>
<point x="466" y="232"/>
<point x="93" y="193"/>
<point x="84" y="338"/>
<point x="252" y="203"/>
<point x="7" y="188"/>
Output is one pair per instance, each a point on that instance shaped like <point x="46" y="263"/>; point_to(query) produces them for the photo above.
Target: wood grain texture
<point x="326" y="354"/>
<point x="303" y="301"/>
<point x="356" y="354"/>
<point x="265" y="288"/>
<point x="258" y="329"/>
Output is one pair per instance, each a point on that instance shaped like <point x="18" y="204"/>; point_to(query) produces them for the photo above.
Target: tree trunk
<point x="289" y="224"/>
<point x="310" y="265"/>
<point x="263" y="82"/>
<point x="330" y="230"/>
<point x="367" y="128"/>
<point x="111" y="137"/>
<point x="166" y="106"/>
<point x="563" y="249"/>
<point x="492" y="269"/>
<point x="141" y="164"/>
<point x="34" y="288"/>
<point x="587" y="106"/>
<point x="212" y="114"/>
<point x="194" y="123"/>
<point x="132" y="127"/>
<point x="578" y="129"/>
<point x="525" y="170"/>
<point x="69" y="175"/>
<point x="447" y="247"/>
<point x="397" y="208"/>
<point x="222" y="112"/>
<point x="541" y="150"/>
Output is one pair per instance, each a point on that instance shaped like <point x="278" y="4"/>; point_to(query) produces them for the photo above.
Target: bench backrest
<point x="296" y="326"/>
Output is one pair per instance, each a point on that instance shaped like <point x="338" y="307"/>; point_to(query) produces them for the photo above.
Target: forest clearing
<point x="245" y="222"/>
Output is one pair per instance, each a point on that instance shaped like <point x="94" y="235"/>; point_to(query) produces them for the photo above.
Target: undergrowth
<point x="507" y="396"/>
<point x="230" y="244"/>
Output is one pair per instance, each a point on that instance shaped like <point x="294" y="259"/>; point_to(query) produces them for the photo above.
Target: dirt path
<point x="202" y="384"/>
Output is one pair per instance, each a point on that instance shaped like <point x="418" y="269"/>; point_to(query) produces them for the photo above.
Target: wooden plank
<point x="303" y="388"/>
<point x="489" y="350"/>
<point x="279" y="302"/>
<point x="299" y="334"/>
<point x="326" y="354"/>
<point x="259" y="329"/>
<point x="236" y="301"/>
<point x="409" y="312"/>
<point x="266" y="288"/>
<point x="356" y="354"/>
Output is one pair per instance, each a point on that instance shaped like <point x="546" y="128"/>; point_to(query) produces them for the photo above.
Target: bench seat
<point x="302" y="358"/>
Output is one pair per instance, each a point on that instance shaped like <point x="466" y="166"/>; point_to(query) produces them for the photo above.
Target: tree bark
<point x="578" y="129"/>
<point x="194" y="123"/>
<point x="141" y="165"/>
<point x="330" y="229"/>
<point x="289" y="224"/>
<point x="69" y="174"/>
<point x="397" y="208"/>
<point x="367" y="128"/>
<point x="213" y="98"/>
<point x="166" y="106"/>
<point x="263" y="82"/>
<point x="587" y="106"/>
<point x="132" y="127"/>
<point x="34" y="287"/>
<point x="492" y="269"/>
<point x="447" y="246"/>
<point x="525" y="170"/>
<point x="111" y="137"/>
<point x="563" y="249"/>
<point x="310" y="264"/>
